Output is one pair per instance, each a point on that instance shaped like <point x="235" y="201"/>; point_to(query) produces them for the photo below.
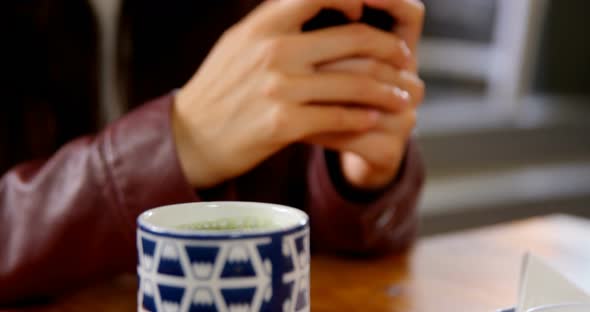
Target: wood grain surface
<point x="467" y="271"/>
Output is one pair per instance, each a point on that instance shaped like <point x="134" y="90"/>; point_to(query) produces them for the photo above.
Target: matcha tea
<point x="231" y="224"/>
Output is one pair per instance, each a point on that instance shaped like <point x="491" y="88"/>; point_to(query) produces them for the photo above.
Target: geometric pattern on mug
<point x="147" y="252"/>
<point x="240" y="271"/>
<point x="296" y="254"/>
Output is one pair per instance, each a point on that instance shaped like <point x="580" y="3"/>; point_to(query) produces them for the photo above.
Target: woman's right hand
<point x="253" y="95"/>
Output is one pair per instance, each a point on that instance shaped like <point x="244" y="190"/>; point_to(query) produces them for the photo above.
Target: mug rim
<point x="162" y="231"/>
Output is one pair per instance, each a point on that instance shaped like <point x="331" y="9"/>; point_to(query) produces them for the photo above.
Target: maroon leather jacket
<point x="68" y="219"/>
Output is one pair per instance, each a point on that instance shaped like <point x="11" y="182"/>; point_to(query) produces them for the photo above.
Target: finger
<point x="405" y="80"/>
<point x="399" y="125"/>
<point x="354" y="40"/>
<point x="288" y="15"/>
<point x="313" y="120"/>
<point x="338" y="88"/>
<point x="410" y="82"/>
<point x="409" y="16"/>
<point x="379" y="149"/>
<point x="390" y="128"/>
<point x="383" y="146"/>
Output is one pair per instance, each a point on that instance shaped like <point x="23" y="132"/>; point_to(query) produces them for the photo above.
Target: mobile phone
<point x="330" y="18"/>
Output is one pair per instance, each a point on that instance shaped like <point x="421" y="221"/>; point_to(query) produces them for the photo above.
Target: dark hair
<point x="50" y="88"/>
<point x="163" y="43"/>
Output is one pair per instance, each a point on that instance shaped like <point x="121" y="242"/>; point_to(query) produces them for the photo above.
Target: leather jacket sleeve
<point x="345" y="220"/>
<point x="70" y="219"/>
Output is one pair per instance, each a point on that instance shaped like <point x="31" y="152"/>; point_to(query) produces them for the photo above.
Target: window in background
<point x="477" y="59"/>
<point x="504" y="127"/>
<point x="449" y="32"/>
<point x="564" y="55"/>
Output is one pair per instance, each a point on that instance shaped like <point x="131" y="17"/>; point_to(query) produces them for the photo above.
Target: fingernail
<point x="407" y="53"/>
<point x="402" y="94"/>
<point x="374" y="115"/>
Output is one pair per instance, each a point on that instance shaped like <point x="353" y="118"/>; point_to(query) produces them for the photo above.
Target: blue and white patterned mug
<point x="203" y="270"/>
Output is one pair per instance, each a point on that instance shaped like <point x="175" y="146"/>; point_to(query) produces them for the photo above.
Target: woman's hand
<point x="372" y="160"/>
<point x="252" y="95"/>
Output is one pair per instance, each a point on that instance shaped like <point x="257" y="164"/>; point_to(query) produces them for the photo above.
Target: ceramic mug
<point x="265" y="269"/>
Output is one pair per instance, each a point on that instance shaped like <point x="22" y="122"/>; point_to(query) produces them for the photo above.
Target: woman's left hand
<point x="372" y="160"/>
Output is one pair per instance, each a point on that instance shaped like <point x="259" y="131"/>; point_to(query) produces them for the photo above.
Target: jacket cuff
<point x="142" y="163"/>
<point x="383" y="221"/>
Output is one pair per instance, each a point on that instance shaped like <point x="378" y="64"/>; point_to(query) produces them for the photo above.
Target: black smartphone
<point x="330" y="18"/>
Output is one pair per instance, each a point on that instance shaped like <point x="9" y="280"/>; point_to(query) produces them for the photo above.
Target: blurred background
<point x="504" y="129"/>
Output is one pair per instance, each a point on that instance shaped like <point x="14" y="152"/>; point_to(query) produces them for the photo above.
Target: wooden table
<point x="467" y="271"/>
